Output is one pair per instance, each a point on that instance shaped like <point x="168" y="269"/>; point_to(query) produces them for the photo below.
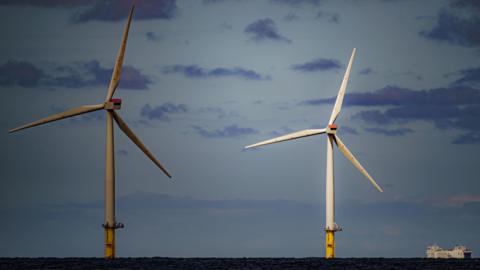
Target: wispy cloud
<point x="365" y="71"/>
<point x="263" y="30"/>
<point x="196" y="72"/>
<point x="232" y="131"/>
<point x="163" y="111"/>
<point x="328" y="16"/>
<point x="319" y="64"/>
<point x="390" y="132"/>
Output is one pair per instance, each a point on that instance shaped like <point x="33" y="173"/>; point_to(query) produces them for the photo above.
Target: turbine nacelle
<point x="113" y="104"/>
<point x="331" y="129"/>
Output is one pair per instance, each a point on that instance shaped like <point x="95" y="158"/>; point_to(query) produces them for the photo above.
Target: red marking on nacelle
<point x="332" y="126"/>
<point x="116" y="100"/>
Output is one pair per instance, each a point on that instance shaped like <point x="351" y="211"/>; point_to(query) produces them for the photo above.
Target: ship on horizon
<point x="458" y="252"/>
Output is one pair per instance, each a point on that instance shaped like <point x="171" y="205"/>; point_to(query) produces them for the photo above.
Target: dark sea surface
<point x="236" y="263"/>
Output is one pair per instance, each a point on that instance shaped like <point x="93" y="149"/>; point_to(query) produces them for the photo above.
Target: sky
<point x="201" y="80"/>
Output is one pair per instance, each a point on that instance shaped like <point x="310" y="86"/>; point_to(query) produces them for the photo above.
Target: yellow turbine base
<point x="330" y="244"/>
<point x="109" y="243"/>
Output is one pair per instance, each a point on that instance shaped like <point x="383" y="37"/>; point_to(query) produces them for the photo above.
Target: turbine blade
<point x="119" y="62"/>
<point x="62" y="115"/>
<point x="349" y="156"/>
<point x="290" y="136"/>
<point x="124" y="127"/>
<point x="341" y="93"/>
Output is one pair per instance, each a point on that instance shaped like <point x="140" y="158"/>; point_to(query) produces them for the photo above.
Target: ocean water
<point x="237" y="263"/>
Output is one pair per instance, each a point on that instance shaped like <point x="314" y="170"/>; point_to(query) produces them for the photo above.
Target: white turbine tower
<point x="331" y="130"/>
<point x="110" y="105"/>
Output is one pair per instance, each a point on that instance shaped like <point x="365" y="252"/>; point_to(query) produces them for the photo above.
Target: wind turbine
<point x="331" y="130"/>
<point x="110" y="105"/>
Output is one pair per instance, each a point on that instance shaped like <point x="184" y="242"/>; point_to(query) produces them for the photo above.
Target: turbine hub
<point x="332" y="129"/>
<point x="113" y="104"/>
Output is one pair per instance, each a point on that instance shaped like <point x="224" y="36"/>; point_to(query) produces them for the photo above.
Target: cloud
<point x="282" y="131"/>
<point x="20" y="73"/>
<point x="46" y="3"/>
<point x="365" y="71"/>
<point x="232" y="131"/>
<point x="263" y="30"/>
<point x="347" y="130"/>
<point x="458" y="25"/>
<point x="217" y="111"/>
<point x="76" y="75"/>
<point x="118" y="10"/>
<point x="330" y="17"/>
<point x="83" y="74"/>
<point x="320" y="64"/>
<point x="122" y="152"/>
<point x="194" y="71"/>
<point x="106" y="10"/>
<point x="163" y="111"/>
<point x="468" y="138"/>
<point x="390" y="132"/>
<point x="152" y="36"/>
<point x="452" y="108"/>
<point x="296" y="3"/>
<point x="397" y="96"/>
<point x="470" y="77"/>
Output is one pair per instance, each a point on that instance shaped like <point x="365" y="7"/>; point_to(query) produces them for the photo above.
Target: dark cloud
<point x="264" y="29"/>
<point x="163" y="111"/>
<point x="298" y="2"/>
<point x="469" y="77"/>
<point x="459" y="24"/>
<point x="93" y="74"/>
<point x="194" y="71"/>
<point x="365" y="71"/>
<point x="76" y="75"/>
<point x="393" y="95"/>
<point x="320" y="64"/>
<point x="118" y="10"/>
<point x="453" y="108"/>
<point x="390" y="132"/>
<point x="232" y="131"/>
<point x="47" y="3"/>
<point x="20" y="73"/>
<point x="106" y="10"/>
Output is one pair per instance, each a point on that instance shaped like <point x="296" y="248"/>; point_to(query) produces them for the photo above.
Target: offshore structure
<point x="110" y="105"/>
<point x="458" y="252"/>
<point x="332" y="138"/>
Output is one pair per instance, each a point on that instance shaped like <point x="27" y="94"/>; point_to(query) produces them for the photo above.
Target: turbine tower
<point x="110" y="105"/>
<point x="331" y="130"/>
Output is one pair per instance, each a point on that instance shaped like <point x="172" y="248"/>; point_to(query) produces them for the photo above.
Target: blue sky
<point x="201" y="80"/>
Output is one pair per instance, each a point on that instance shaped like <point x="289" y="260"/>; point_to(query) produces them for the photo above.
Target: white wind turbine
<point x="332" y="137"/>
<point x="110" y="105"/>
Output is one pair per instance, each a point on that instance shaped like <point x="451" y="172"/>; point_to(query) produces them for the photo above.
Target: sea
<point x="238" y="263"/>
